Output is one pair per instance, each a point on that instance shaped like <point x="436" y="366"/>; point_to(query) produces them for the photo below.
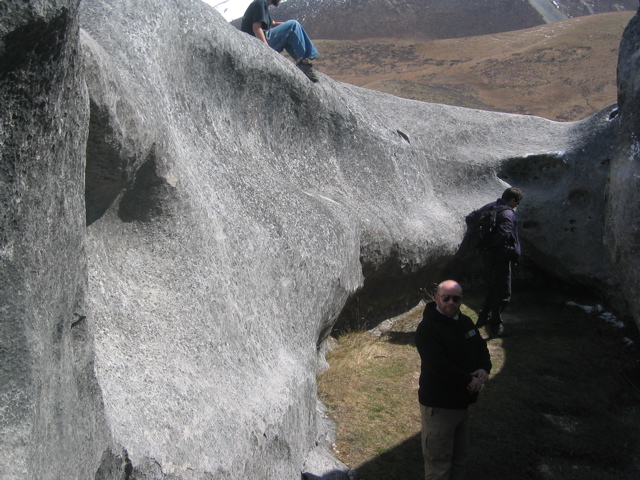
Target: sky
<point x="230" y="9"/>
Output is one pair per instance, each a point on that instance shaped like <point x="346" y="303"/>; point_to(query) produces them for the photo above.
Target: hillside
<point x="563" y="71"/>
<point x="421" y="20"/>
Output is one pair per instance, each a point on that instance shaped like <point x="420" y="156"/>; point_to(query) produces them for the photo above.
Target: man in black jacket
<point x="455" y="365"/>
<point x="498" y="256"/>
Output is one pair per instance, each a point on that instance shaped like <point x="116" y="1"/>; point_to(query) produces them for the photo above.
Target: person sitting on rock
<point x="289" y="35"/>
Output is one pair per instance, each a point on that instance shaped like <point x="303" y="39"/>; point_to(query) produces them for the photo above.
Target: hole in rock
<point x="105" y="174"/>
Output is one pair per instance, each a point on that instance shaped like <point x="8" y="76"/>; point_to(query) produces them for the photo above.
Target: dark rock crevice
<point x="150" y="196"/>
<point x="392" y="286"/>
<point x="106" y="171"/>
<point x="38" y="42"/>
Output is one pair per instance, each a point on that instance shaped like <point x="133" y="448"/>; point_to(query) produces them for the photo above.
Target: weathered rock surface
<point x="623" y="201"/>
<point x="51" y="416"/>
<point x="232" y="210"/>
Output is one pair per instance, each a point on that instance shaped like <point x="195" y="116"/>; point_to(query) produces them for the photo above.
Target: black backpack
<point x="481" y="225"/>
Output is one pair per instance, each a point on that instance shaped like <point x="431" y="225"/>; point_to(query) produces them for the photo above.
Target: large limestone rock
<point x="51" y="415"/>
<point x="623" y="221"/>
<point x="234" y="211"/>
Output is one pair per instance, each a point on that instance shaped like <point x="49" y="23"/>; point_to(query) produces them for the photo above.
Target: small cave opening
<point x="105" y="170"/>
<point x="133" y="180"/>
<point x="149" y="197"/>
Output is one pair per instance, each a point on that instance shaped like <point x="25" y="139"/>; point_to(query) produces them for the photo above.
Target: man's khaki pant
<point x="445" y="442"/>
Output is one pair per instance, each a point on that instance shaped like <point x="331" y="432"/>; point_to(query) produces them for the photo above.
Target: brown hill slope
<point x="421" y="20"/>
<point x="408" y="19"/>
<point x="563" y="71"/>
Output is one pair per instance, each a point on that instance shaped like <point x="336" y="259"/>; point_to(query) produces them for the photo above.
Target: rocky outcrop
<point x="623" y="204"/>
<point x="52" y="423"/>
<point x="234" y="211"/>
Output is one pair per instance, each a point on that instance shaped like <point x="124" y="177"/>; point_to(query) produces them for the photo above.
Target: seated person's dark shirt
<point x="258" y="11"/>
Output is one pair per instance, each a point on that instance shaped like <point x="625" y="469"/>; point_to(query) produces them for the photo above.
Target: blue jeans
<point x="290" y="36"/>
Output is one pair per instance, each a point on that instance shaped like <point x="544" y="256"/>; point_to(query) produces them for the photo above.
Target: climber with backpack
<point x="493" y="230"/>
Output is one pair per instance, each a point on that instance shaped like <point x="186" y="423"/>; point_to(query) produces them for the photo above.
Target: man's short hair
<point x="511" y="193"/>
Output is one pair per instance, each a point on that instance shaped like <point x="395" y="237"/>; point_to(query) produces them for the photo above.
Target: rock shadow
<point x="408" y="454"/>
<point x="112" y="175"/>
<point x="150" y="196"/>
<point x="106" y="169"/>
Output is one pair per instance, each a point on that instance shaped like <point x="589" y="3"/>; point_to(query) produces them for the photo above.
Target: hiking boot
<point x="307" y="68"/>
<point x="497" y="331"/>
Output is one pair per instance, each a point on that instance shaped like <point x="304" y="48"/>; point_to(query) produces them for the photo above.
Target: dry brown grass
<point x="562" y="71"/>
<point x="374" y="378"/>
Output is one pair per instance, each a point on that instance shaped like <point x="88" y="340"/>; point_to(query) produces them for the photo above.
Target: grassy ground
<point x="563" y="400"/>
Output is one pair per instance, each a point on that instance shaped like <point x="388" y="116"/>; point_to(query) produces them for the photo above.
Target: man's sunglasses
<point x="455" y="298"/>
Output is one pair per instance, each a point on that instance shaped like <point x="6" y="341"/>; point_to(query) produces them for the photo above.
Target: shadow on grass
<point x="561" y="403"/>
<point x="403" y="462"/>
<point x="402" y="338"/>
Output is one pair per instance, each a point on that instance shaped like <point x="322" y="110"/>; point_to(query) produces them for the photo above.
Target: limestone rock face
<point x="561" y="218"/>
<point x="51" y="415"/>
<point x="623" y="221"/>
<point x="234" y="211"/>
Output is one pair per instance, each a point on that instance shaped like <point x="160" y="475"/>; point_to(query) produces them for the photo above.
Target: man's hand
<point x="475" y="385"/>
<point x="478" y="379"/>
<point x="481" y="374"/>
